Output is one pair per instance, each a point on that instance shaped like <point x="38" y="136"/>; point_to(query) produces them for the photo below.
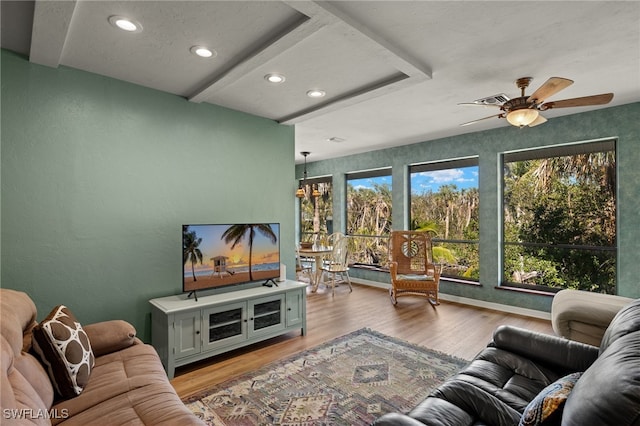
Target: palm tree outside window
<point x="369" y="222"/>
<point x="316" y="213"/>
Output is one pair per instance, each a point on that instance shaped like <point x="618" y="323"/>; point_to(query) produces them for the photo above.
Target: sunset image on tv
<point x="219" y="255"/>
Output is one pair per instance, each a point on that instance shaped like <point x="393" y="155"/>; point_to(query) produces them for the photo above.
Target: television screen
<point x="219" y="255"/>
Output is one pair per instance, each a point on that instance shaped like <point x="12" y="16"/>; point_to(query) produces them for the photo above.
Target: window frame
<point x="560" y="150"/>
<point x="361" y="243"/>
<point x="431" y="166"/>
<point x="328" y="219"/>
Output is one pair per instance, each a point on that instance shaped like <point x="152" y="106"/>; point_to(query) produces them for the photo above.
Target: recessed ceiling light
<point x="274" y="78"/>
<point x="126" y="24"/>
<point x="316" y="93"/>
<point x="203" y="52"/>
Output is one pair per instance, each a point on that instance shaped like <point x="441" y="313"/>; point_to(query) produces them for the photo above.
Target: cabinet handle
<point x="198" y="332"/>
<point x="288" y="309"/>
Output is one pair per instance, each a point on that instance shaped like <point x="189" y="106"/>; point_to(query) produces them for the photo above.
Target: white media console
<point x="184" y="331"/>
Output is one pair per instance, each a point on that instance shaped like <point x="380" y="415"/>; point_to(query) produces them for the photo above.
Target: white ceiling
<point x="393" y="71"/>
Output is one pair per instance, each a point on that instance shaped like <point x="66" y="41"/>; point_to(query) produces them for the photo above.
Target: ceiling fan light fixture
<point x="522" y="117"/>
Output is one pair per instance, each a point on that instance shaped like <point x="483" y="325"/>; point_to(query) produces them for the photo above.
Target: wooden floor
<point x="456" y="329"/>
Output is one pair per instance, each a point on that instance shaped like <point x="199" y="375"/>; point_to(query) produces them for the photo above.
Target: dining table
<point x="318" y="253"/>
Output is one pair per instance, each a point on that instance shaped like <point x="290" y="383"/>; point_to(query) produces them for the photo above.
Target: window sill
<point x="525" y="290"/>
<point x="461" y="281"/>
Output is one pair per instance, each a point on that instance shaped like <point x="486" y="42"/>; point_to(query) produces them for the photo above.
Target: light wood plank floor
<point x="456" y="329"/>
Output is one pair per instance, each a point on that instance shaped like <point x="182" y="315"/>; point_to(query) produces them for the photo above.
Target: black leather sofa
<point x="506" y="382"/>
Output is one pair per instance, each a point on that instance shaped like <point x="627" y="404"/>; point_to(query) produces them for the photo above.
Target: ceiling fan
<point x="525" y="110"/>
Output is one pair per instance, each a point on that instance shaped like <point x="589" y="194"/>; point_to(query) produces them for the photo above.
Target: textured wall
<point x="617" y="122"/>
<point x="98" y="176"/>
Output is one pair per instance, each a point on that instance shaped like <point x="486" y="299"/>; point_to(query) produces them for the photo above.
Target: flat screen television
<point x="218" y="255"/>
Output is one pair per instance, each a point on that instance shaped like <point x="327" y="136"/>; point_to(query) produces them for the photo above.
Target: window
<point x="369" y="216"/>
<point x="560" y="218"/>
<point x="444" y="200"/>
<point x="316" y="212"/>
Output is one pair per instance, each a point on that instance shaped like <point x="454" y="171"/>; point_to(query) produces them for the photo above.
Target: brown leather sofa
<point x="127" y="384"/>
<point x="529" y="378"/>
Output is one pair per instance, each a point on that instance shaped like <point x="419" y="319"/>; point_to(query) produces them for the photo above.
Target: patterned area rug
<point x="351" y="380"/>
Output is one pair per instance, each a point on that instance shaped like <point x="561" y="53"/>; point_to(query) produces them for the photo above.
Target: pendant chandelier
<point x="303" y="183"/>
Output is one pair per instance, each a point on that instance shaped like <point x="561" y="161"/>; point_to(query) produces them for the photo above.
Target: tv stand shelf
<point x="185" y="330"/>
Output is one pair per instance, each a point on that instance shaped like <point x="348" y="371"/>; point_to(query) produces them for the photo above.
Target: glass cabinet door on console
<point x="225" y="325"/>
<point x="266" y="315"/>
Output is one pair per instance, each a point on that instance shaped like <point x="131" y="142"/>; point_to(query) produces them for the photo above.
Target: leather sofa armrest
<point x="110" y="336"/>
<point x="552" y="350"/>
<point x="395" y="419"/>
<point x="584" y="316"/>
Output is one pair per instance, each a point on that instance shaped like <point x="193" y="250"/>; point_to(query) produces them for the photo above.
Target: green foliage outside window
<point x="560" y="222"/>
<point x="451" y="213"/>
<point x="316" y="213"/>
<point x="369" y="220"/>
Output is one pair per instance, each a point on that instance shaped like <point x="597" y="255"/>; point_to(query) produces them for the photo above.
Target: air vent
<point x="492" y="100"/>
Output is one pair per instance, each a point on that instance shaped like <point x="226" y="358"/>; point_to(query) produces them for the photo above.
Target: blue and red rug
<point x="351" y="380"/>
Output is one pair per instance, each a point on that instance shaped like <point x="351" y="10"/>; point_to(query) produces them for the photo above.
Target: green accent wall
<point x="98" y="175"/>
<point x="621" y="123"/>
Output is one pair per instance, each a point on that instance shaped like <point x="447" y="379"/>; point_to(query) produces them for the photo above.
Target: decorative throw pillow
<point x="549" y="401"/>
<point x="65" y="350"/>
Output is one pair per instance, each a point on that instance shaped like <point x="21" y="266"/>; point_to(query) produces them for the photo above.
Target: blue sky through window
<point x="462" y="177"/>
<point x="421" y="182"/>
<point x="370" y="182"/>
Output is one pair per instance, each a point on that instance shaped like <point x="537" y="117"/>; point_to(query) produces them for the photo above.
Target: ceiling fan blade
<point x="549" y="88"/>
<point x="480" y="119"/>
<point x="537" y="121"/>
<point x="476" y="104"/>
<point x="602" y="99"/>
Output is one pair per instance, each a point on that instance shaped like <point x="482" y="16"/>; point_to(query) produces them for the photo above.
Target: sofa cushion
<point x="549" y="402"/>
<point x="128" y="387"/>
<point x="110" y="336"/>
<point x="65" y="350"/>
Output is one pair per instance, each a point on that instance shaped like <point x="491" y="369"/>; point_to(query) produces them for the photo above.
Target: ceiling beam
<point x="293" y="35"/>
<point x="393" y="55"/>
<point x="317" y="15"/>
<point x="51" y="22"/>
<point x="411" y="72"/>
<point x="374" y="90"/>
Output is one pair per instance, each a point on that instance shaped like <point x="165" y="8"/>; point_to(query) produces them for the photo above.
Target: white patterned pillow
<point x="65" y="350"/>
<point x="549" y="402"/>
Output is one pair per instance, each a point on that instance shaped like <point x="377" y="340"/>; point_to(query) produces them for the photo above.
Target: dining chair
<point x="336" y="264"/>
<point x="331" y="238"/>
<point x="304" y="267"/>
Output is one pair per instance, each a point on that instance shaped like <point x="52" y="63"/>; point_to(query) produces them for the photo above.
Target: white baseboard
<point x="472" y="302"/>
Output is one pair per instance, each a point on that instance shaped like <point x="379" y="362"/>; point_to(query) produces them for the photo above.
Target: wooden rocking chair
<point x="413" y="272"/>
